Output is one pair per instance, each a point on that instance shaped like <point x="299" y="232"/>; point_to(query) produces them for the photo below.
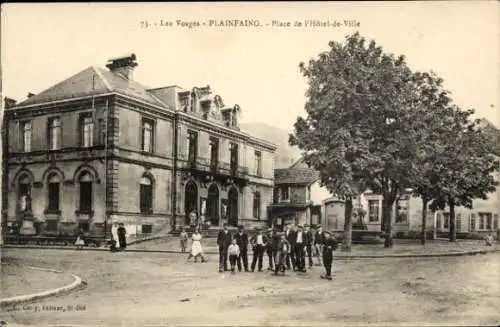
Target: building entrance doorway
<point x="213" y="205"/>
<point x="190" y="200"/>
<point x="232" y="207"/>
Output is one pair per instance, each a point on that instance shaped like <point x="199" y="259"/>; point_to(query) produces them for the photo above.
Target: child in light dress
<point x="196" y="248"/>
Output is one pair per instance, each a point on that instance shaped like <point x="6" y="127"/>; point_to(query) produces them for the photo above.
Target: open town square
<point x="248" y="164"/>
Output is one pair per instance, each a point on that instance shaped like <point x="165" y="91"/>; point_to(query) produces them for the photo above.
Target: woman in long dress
<point x="114" y="235"/>
<point x="196" y="248"/>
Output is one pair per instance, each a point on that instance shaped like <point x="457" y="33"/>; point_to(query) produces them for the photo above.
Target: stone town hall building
<point x="99" y="148"/>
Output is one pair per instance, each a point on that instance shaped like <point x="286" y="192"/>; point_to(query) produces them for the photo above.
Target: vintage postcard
<point x="250" y="164"/>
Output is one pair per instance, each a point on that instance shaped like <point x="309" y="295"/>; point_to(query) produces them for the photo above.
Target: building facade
<point x="297" y="196"/>
<point x="100" y="148"/>
<point x="483" y="218"/>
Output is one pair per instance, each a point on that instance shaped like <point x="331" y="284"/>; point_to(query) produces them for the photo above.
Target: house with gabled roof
<point x="100" y="148"/>
<point x="297" y="196"/>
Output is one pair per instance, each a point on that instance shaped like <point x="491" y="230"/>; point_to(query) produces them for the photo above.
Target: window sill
<point x="52" y="212"/>
<point x="84" y="214"/>
<point x="147" y="213"/>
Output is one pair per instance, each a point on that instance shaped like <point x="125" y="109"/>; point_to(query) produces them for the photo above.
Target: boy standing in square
<point x="234" y="253"/>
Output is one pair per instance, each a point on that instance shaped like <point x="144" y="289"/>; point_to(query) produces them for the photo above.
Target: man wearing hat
<point x="258" y="244"/>
<point x="299" y="249"/>
<point x="223" y="241"/>
<point x="308" y="240"/>
<point x="318" y="243"/>
<point x="282" y="251"/>
<point x="329" y="245"/>
<point x="242" y="241"/>
<point x="291" y="237"/>
<point x="270" y="246"/>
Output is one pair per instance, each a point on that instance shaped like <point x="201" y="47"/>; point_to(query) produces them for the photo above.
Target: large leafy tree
<point x="360" y="122"/>
<point x="432" y="121"/>
<point x="464" y="169"/>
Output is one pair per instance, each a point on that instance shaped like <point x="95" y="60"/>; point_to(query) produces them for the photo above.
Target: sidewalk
<point x="25" y="283"/>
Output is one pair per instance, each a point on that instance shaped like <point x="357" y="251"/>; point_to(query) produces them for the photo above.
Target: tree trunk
<point x="453" y="228"/>
<point x="387" y="218"/>
<point x="424" y="221"/>
<point x="346" y="244"/>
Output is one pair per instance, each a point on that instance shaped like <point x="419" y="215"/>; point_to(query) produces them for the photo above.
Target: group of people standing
<point x="285" y="250"/>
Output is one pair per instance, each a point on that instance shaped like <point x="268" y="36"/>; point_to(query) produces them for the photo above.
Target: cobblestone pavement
<point x="141" y="289"/>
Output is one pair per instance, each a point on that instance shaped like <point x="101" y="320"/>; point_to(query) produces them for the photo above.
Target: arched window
<point x="85" y="182"/>
<point x="146" y="195"/>
<point x="54" y="188"/>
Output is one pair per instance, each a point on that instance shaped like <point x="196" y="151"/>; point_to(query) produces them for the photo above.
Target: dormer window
<point x="226" y="117"/>
<point x="184" y="102"/>
<point x="205" y="108"/>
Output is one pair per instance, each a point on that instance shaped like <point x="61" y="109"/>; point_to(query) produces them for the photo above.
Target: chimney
<point x="30" y="95"/>
<point x="123" y="66"/>
<point x="9" y="102"/>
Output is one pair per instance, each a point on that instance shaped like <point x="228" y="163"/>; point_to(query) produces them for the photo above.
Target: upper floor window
<point x="233" y="149"/>
<point x="184" y="102"/>
<point x="284" y="193"/>
<point x="214" y="151"/>
<point x="87" y="129"/>
<point x="26" y="136"/>
<point x="147" y="135"/>
<point x="258" y="163"/>
<point x="495" y="221"/>
<point x="192" y="146"/>
<point x="402" y="210"/>
<point x="308" y="193"/>
<point x="146" y="195"/>
<point x="373" y="210"/>
<point x="205" y="108"/>
<point x="226" y="117"/>
<point x="256" y="205"/>
<point x="54" y="133"/>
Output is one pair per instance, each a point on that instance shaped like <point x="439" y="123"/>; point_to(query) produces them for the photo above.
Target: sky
<point x="254" y="67"/>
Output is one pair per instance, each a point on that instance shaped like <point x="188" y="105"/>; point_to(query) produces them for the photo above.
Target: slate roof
<point x="93" y="81"/>
<point x="295" y="176"/>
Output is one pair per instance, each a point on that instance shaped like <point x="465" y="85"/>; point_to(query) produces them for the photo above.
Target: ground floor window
<point x="84" y="226"/>
<point x="85" y="192"/>
<point x="51" y="225"/>
<point x="446" y="220"/>
<point x="485" y="221"/>
<point x="147" y="229"/>
<point x="373" y="211"/>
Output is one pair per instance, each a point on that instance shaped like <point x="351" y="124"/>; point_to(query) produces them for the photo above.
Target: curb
<point x="41" y="295"/>
<point x="336" y="257"/>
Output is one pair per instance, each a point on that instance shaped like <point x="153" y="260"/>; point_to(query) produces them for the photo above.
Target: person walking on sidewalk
<point x="234" y="253"/>
<point x="242" y="240"/>
<point x="223" y="241"/>
<point x="329" y="245"/>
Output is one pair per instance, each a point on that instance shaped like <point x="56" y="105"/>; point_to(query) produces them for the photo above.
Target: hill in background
<point x="285" y="154"/>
